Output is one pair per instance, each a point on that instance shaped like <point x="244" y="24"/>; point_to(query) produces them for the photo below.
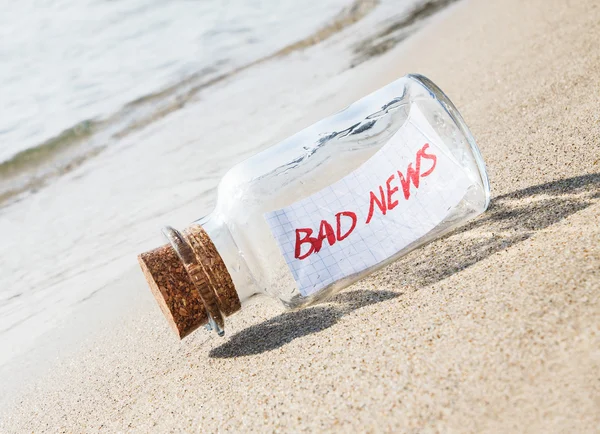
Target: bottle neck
<point x="221" y="236"/>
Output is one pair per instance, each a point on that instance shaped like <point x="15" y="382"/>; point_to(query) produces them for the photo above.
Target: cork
<point x="186" y="292"/>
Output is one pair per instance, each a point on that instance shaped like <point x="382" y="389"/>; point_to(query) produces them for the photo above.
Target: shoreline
<point x="492" y="328"/>
<point x="33" y="168"/>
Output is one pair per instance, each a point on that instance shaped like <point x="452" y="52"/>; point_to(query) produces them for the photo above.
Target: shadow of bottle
<point x="288" y="326"/>
<point x="511" y="219"/>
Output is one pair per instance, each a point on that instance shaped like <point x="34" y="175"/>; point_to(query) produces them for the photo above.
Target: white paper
<point x="441" y="185"/>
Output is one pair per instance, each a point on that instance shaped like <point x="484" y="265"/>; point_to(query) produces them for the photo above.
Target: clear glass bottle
<point x="327" y="206"/>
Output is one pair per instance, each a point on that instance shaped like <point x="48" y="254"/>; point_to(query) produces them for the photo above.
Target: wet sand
<point x="494" y="328"/>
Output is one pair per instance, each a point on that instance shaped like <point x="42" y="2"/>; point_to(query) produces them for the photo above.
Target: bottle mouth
<point x="198" y="276"/>
<point x="190" y="281"/>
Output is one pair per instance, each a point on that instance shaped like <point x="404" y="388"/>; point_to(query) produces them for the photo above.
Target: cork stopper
<point x="189" y="292"/>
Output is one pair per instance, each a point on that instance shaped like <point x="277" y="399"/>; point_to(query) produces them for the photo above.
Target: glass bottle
<point x="324" y="208"/>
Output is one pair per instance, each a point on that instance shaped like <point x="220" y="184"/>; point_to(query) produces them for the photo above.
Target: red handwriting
<point x="314" y="244"/>
<point x="382" y="199"/>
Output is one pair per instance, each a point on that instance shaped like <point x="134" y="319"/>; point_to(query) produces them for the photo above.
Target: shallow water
<point x="64" y="61"/>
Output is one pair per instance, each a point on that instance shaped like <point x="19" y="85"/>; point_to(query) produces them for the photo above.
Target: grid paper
<point x="385" y="235"/>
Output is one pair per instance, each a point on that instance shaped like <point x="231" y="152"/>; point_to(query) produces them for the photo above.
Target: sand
<point x="494" y="328"/>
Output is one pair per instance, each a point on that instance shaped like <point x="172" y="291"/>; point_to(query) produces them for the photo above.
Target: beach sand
<point x="494" y="328"/>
